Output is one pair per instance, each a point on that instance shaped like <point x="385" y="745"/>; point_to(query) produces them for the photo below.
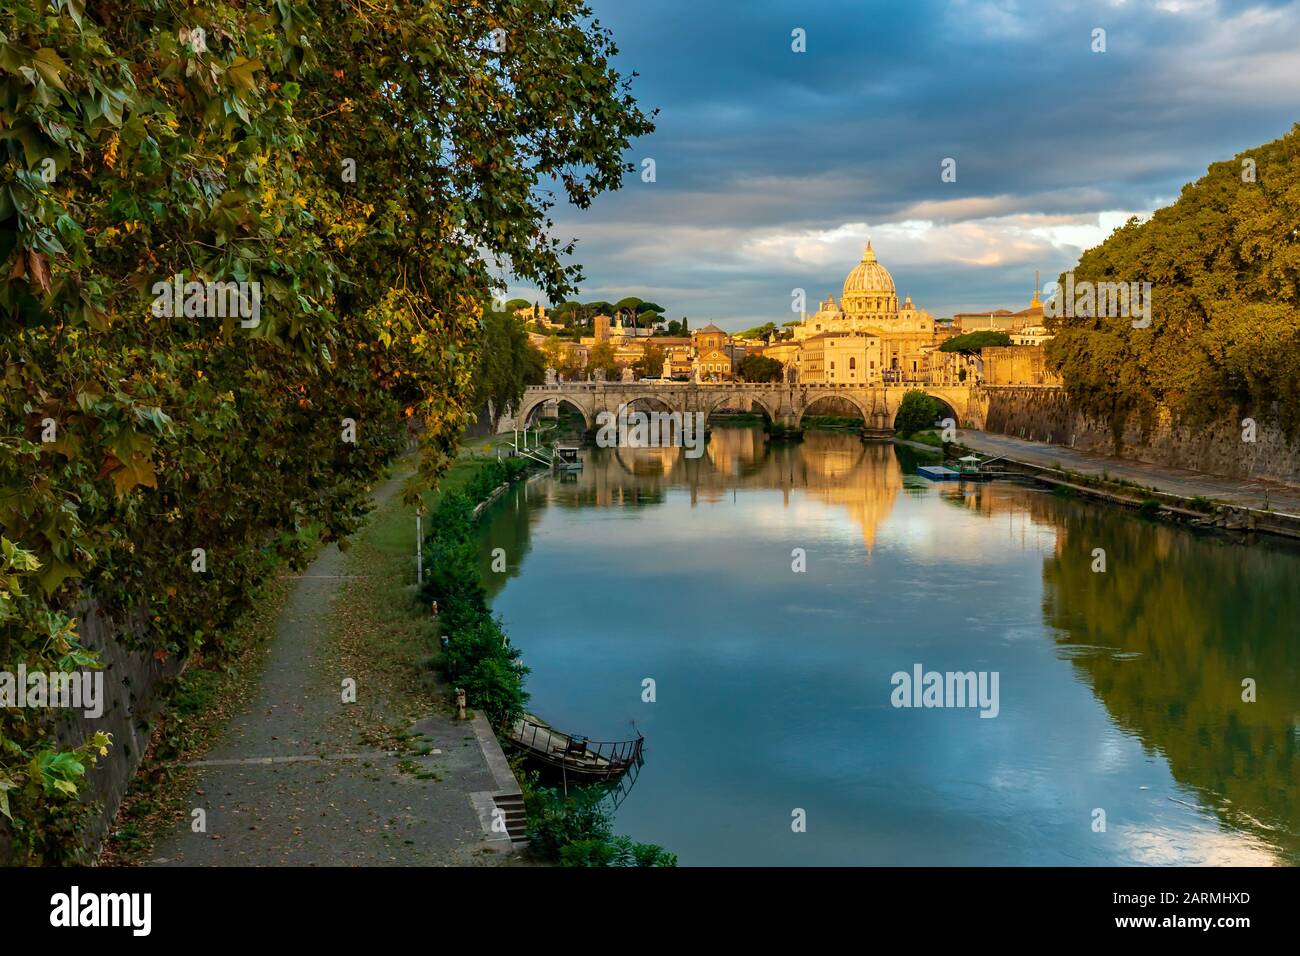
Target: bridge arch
<point x="532" y="403"/>
<point x="764" y="402"/>
<point x="945" y="410"/>
<point x="814" y="397"/>
<point x="958" y="411"/>
<point x="649" y="403"/>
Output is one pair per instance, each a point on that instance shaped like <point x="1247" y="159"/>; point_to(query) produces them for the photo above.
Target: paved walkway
<point x="292" y="782"/>
<point x="1242" y="492"/>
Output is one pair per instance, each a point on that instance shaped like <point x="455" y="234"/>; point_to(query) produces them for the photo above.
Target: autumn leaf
<point x="38" y="266"/>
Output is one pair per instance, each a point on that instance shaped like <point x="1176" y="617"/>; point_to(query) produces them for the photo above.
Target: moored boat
<point x="598" y="760"/>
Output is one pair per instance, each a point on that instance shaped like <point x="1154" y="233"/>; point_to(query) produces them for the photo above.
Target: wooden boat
<point x="578" y="756"/>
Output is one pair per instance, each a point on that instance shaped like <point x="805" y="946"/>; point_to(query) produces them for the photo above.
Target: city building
<point x="841" y="357"/>
<point x="1004" y="320"/>
<point x="866" y="337"/>
<point x="868" y="307"/>
<point x="715" y="355"/>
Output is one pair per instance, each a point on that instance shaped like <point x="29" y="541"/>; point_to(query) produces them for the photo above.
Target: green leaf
<point x="51" y="67"/>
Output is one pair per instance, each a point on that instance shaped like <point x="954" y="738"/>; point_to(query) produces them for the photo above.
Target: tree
<point x="675" y="328"/>
<point x="975" y="341"/>
<point x="758" y="331"/>
<point x="353" y="177"/>
<point x="601" y="356"/>
<point x="514" y="305"/>
<point x="1223" y="333"/>
<point x="509" y="364"/>
<point x="760" y="368"/>
<point x="552" y="349"/>
<point x="916" y="412"/>
<point x="627" y="305"/>
<point x="559" y="354"/>
<point x="651" y="362"/>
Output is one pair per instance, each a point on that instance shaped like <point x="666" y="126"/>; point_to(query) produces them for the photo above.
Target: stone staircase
<point x="511" y="806"/>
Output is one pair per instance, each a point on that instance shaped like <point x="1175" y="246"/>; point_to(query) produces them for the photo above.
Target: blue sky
<point x="774" y="167"/>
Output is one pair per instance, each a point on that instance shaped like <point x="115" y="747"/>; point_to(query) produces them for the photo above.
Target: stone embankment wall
<point x="1046" y="414"/>
<point x="132" y="679"/>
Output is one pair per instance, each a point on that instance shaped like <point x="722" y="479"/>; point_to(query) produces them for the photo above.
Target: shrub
<point x="577" y="831"/>
<point x="917" y="411"/>
<point x="479" y="657"/>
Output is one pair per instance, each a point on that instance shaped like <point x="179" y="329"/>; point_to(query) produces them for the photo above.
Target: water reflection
<point x="1165" y="639"/>
<point x="831" y="468"/>
<point x="1121" y="690"/>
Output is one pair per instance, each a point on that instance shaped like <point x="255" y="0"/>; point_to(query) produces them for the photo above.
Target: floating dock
<point x="937" y="473"/>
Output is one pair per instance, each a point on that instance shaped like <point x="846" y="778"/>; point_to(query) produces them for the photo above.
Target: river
<point x="1120" y="734"/>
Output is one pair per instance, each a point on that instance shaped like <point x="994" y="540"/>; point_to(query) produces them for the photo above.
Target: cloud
<point x="774" y="166"/>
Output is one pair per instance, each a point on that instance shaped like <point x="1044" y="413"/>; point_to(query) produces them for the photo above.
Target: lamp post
<point x="419" y="544"/>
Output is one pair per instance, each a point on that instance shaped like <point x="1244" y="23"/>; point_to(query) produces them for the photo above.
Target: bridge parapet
<point x="784" y="402"/>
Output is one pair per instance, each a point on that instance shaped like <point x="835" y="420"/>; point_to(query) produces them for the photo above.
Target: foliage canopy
<point x="365" y="166"/>
<point x="1224" y="264"/>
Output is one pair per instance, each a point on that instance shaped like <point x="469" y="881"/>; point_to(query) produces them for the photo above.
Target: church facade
<point x="865" y="338"/>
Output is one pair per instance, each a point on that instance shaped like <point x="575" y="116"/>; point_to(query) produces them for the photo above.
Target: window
<point x="853" y="362"/>
<point x="832" y="364"/>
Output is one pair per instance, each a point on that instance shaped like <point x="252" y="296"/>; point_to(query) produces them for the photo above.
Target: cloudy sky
<point x="774" y="167"/>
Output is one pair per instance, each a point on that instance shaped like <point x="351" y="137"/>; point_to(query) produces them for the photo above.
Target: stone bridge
<point x="785" y="403"/>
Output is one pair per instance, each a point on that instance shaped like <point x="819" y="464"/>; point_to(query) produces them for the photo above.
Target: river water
<point x="1120" y="735"/>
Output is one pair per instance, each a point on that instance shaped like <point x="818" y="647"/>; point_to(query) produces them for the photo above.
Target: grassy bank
<point x="832" y="423"/>
<point x="926" y="437"/>
<point x="738" y="419"/>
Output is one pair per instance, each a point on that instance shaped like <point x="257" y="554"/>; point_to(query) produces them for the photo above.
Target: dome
<point x="869" y="276"/>
<point x="869" y="288"/>
<point x="828" y="307"/>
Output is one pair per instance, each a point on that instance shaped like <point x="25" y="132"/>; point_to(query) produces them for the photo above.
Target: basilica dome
<point x="869" y="288"/>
